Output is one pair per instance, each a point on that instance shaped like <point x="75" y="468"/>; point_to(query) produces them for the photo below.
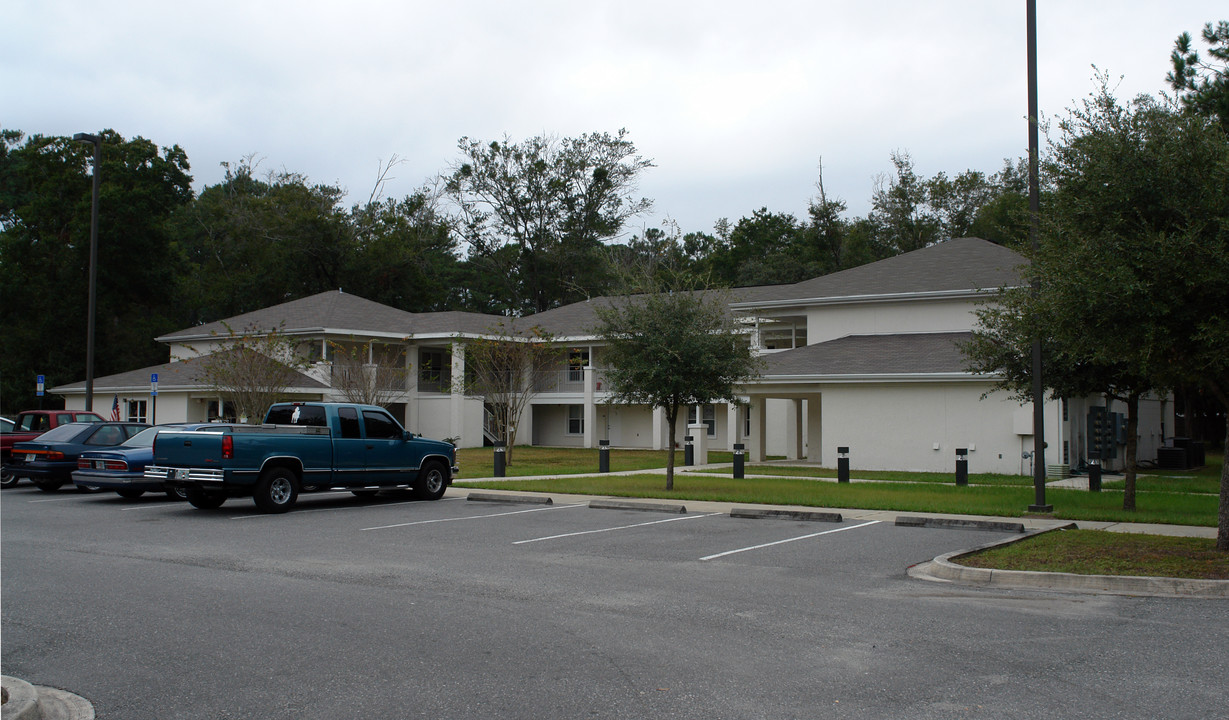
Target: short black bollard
<point x="842" y="464"/>
<point x="962" y="467"/>
<point x="1094" y="471"/>
<point x="501" y="460"/>
<point x="603" y="456"/>
<point x="739" y="457"/>
<point x="689" y="453"/>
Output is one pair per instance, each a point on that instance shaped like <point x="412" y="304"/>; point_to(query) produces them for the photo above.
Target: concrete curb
<point x="646" y="506"/>
<point x="958" y="524"/>
<point x="760" y="513"/>
<point x="507" y="498"/>
<point x="20" y="700"/>
<point x="29" y="702"/>
<point x="942" y="569"/>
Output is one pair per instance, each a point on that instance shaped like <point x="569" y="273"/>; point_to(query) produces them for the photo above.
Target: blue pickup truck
<point x="302" y="447"/>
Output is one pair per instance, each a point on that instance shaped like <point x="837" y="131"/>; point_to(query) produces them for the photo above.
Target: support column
<point x="793" y="431"/>
<point x="734" y="426"/>
<point x="757" y="441"/>
<point x="815" y="429"/>
<point x="659" y="430"/>
<point x="456" y="420"/>
<point x="411" y="390"/>
<point x="590" y="412"/>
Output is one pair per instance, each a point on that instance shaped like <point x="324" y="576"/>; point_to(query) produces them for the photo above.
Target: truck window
<point x="380" y="426"/>
<point x="312" y="415"/>
<point x="348" y="418"/>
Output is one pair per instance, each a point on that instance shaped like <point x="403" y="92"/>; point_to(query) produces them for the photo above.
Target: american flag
<point x="115" y="408"/>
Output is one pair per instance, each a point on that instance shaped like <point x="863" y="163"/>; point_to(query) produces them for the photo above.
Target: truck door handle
<point x="371" y="447"/>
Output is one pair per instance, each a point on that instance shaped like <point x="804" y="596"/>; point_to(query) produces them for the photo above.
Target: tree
<point x="1134" y="260"/>
<point x="249" y="243"/>
<point x="903" y="220"/>
<point x="1203" y="87"/>
<point x="672" y="348"/>
<point x="405" y="255"/>
<point x="369" y="373"/>
<point x="252" y="369"/>
<point x="508" y="369"/>
<point x="540" y="210"/>
<point x="45" y="197"/>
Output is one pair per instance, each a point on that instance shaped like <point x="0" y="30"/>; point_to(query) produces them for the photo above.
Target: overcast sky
<point x="735" y="102"/>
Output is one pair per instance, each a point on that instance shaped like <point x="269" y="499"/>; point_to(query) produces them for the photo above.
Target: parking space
<point x="512" y="530"/>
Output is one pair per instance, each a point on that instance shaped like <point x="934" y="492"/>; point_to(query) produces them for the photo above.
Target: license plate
<point x="30" y="457"/>
<point x="181" y="473"/>
<point x="100" y="464"/>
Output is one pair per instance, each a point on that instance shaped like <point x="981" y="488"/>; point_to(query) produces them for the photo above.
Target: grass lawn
<point x="1177" y="498"/>
<point x="1096" y="552"/>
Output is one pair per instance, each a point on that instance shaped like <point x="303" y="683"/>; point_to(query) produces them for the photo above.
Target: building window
<point x="576" y="419"/>
<point x="578" y="359"/>
<point x="136" y="410"/>
<point x="709" y="418"/>
<point x="434" y="370"/>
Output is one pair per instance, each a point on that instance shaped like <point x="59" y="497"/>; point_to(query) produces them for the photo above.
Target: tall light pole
<point x="89" y="333"/>
<point x="1034" y="211"/>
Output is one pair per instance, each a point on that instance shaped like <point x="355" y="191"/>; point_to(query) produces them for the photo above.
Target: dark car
<point x="122" y="468"/>
<point x="29" y="425"/>
<point x="50" y="459"/>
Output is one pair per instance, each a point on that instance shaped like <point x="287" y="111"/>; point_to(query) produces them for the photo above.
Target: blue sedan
<point x="50" y="459"/>
<point x="122" y="468"/>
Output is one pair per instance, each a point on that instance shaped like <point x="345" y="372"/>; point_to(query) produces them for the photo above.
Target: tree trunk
<point x="1128" y="496"/>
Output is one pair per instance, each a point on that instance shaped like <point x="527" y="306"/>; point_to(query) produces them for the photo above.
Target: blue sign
<point x="153" y="384"/>
<point x="40" y="381"/>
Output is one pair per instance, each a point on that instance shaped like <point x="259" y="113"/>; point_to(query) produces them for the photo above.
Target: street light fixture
<point x="89" y="334"/>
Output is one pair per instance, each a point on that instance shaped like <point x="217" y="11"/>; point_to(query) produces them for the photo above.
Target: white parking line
<point x="473" y="517"/>
<point x="611" y="529"/>
<point x="55" y="499"/>
<point x="787" y="540"/>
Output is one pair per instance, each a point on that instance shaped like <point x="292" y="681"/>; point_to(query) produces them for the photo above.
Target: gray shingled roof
<point x="966" y="264"/>
<point x="174" y="375"/>
<point x="339" y="311"/>
<point x="904" y="354"/>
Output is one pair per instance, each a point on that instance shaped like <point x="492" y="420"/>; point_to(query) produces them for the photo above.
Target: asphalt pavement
<point x="23" y="701"/>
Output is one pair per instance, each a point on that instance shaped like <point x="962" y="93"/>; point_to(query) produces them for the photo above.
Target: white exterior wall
<point x="829" y="322"/>
<point x="891" y="426"/>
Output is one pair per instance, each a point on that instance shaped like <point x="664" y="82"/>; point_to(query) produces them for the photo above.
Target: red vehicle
<point x="29" y="425"/>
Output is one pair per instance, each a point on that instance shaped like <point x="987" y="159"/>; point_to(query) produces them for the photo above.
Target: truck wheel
<point x="202" y="500"/>
<point x="49" y="485"/>
<point x="432" y="482"/>
<point x="129" y="493"/>
<point x="275" y="491"/>
<point x="177" y="494"/>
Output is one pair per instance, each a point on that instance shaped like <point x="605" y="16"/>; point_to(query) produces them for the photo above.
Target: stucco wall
<point x="829" y="322"/>
<point x="897" y="427"/>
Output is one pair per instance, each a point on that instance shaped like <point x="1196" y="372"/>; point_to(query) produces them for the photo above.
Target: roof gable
<point x="963" y="265"/>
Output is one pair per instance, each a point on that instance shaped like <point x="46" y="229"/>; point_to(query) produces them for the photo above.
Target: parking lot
<point x="459" y="608"/>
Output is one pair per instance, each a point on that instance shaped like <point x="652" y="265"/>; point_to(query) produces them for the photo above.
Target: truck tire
<point x="177" y="493"/>
<point x="432" y="481"/>
<point x="129" y="493"/>
<point x="202" y="500"/>
<point x="276" y="490"/>
<point x="49" y="485"/>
